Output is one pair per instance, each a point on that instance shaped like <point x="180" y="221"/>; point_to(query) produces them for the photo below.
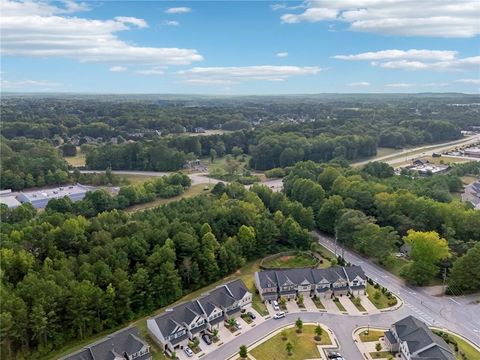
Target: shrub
<point x="275" y="173"/>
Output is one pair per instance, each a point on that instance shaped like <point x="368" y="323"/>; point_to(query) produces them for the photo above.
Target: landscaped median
<point x="464" y="349"/>
<point x="290" y="343"/>
<point x="370" y="343"/>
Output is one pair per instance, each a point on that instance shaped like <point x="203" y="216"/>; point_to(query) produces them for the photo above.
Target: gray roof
<point x="354" y="271"/>
<point x="124" y="341"/>
<point x="237" y="289"/>
<point x="391" y="338"/>
<point x="167" y="323"/>
<point x="417" y="336"/>
<point x="267" y="279"/>
<point x="295" y="276"/>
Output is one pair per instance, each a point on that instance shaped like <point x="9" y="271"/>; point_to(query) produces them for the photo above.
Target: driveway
<point x="309" y="304"/>
<point x="330" y="306"/>
<point x="348" y="305"/>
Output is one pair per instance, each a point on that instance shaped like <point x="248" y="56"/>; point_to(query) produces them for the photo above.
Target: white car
<point x="188" y="351"/>
<point x="279" y="315"/>
<point x="275" y="305"/>
<point x="238" y="325"/>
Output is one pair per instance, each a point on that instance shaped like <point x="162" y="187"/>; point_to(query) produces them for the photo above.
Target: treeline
<point x="273" y="151"/>
<point x="67" y="277"/>
<point x="375" y="216"/>
<point x="101" y="200"/>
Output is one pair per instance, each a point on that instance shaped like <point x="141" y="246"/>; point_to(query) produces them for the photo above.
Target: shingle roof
<point x="237" y="289"/>
<point x="417" y="336"/>
<point x="354" y="271"/>
<point x="267" y="279"/>
<point x="127" y="340"/>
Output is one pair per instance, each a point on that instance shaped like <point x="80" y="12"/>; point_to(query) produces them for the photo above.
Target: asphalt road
<point x="414" y="152"/>
<point x="459" y="314"/>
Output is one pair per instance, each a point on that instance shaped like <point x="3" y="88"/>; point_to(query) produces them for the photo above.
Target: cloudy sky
<point x="243" y="47"/>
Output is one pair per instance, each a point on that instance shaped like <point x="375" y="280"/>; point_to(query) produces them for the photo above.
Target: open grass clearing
<point x="77" y="160"/>
<point x="293" y="260"/>
<point x="192" y="191"/>
<point x="304" y="345"/>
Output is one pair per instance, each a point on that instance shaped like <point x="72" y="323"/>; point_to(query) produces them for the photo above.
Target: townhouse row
<point x="177" y="326"/>
<point x="323" y="283"/>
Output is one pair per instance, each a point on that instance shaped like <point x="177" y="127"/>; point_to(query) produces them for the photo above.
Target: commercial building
<point x="125" y="344"/>
<point x="472" y="152"/>
<point x="325" y="283"/>
<point x="8" y="198"/>
<point x="40" y="198"/>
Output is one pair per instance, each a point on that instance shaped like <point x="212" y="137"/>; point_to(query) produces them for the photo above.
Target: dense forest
<point x="374" y="213"/>
<point x="149" y="131"/>
<point x="65" y="276"/>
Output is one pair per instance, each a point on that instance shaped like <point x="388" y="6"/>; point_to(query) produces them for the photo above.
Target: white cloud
<point x="401" y="54"/>
<point x="446" y="18"/>
<point x="118" y="69"/>
<point x="178" y="10"/>
<point x="228" y="75"/>
<point x="414" y="59"/>
<point x="399" y="85"/>
<point x="209" y="82"/>
<point x="359" y="84"/>
<point x="152" y="71"/>
<point x="282" y="54"/>
<point x="469" y="81"/>
<point x="132" y="20"/>
<point x="22" y="84"/>
<point x="171" y="23"/>
<point x="40" y="30"/>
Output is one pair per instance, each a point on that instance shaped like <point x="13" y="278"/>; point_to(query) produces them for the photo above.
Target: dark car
<point x="252" y="315"/>
<point x="206" y="338"/>
<point x="334" y="355"/>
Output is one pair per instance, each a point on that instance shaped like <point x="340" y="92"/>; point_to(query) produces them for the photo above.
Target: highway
<point x="407" y="154"/>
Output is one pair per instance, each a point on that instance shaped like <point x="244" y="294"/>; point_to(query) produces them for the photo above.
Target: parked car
<point x="238" y="325"/>
<point x="275" y="305"/>
<point x="206" y="339"/>
<point x="188" y="351"/>
<point x="279" y="315"/>
<point x="252" y="315"/>
<point x="334" y="355"/>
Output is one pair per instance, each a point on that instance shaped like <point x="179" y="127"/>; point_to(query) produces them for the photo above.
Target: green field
<point x="373" y="335"/>
<point x="77" y="160"/>
<point x="190" y="192"/>
<point x="304" y="345"/>
<point x="298" y="260"/>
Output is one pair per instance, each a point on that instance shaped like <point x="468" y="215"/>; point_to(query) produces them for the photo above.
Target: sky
<point x="240" y="47"/>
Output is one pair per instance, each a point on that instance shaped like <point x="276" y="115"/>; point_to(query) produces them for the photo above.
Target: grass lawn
<point x="381" y="354"/>
<point x="444" y="160"/>
<point x="298" y="260"/>
<point x="190" y="192"/>
<point x="467" y="180"/>
<point x="77" y="160"/>
<point x="339" y="305"/>
<point x="395" y="265"/>
<point x="381" y="302"/>
<point x="358" y="304"/>
<point x="373" y="335"/>
<point x="134" y="179"/>
<point x="304" y="345"/>
<point x="326" y="255"/>
<point x="318" y="303"/>
<point x="463" y="346"/>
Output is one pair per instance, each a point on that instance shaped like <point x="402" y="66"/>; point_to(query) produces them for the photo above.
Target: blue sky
<point x="242" y="47"/>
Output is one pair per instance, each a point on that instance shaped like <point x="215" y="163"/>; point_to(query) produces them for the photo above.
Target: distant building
<point x="413" y="340"/>
<point x="426" y="168"/>
<point x="40" y="198"/>
<point x="199" y="130"/>
<point x="125" y="344"/>
<point x="8" y="198"/>
<point x="472" y="152"/>
<point x="472" y="194"/>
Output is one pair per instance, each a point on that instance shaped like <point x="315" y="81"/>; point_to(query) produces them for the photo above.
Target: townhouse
<point x="177" y="326"/>
<point x="125" y="344"/>
<point x="324" y="283"/>
<point x="413" y="340"/>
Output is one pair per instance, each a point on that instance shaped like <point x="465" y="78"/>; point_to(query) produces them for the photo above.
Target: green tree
<point x="427" y="250"/>
<point x="289" y="348"/>
<point x="465" y="273"/>
<point x="299" y="325"/>
<point x="213" y="155"/>
<point x="328" y="213"/>
<point x="247" y="239"/>
<point x="243" y="353"/>
<point x="318" y="332"/>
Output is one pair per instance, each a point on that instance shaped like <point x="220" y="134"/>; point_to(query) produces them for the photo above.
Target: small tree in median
<point x="174" y="355"/>
<point x="289" y="348"/>
<point x="231" y="322"/>
<point x="318" y="333"/>
<point x="299" y="325"/>
<point x="378" y="347"/>
<point x="215" y="332"/>
<point x="243" y="352"/>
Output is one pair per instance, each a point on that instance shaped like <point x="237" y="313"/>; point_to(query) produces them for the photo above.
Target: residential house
<point x="413" y="340"/>
<point x="472" y="195"/>
<point x="289" y="283"/>
<point x="125" y="344"/>
<point x="177" y="326"/>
